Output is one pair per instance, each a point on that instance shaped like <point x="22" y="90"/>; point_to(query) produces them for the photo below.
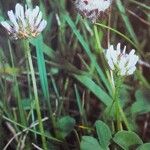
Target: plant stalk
<point x="36" y="95"/>
<point x="119" y="113"/>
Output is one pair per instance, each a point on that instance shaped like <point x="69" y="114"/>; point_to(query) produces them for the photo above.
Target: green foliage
<point x="104" y="137"/>
<point x="89" y="143"/>
<point x="126" y="139"/>
<point x="64" y="126"/>
<point x="145" y="146"/>
<point x="104" y="134"/>
<point x="141" y="105"/>
<point x="27" y="104"/>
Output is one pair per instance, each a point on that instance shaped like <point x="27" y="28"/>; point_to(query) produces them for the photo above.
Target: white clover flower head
<point x="92" y="9"/>
<point x="24" y="23"/>
<point x="119" y="60"/>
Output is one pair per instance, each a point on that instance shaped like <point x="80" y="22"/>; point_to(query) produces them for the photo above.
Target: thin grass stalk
<point x="16" y="86"/>
<point x="119" y="33"/>
<point x="80" y="106"/>
<point x="37" y="105"/>
<point x="31" y="113"/>
<point x="31" y="130"/>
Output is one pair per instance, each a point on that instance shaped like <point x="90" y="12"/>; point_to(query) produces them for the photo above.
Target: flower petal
<point x="13" y="19"/>
<point x="32" y="17"/>
<point x="39" y="18"/>
<point x="19" y="12"/>
<point x="6" y="26"/>
<point x="118" y="49"/>
<point x="131" y="70"/>
<point x="42" y="26"/>
<point x="121" y="61"/>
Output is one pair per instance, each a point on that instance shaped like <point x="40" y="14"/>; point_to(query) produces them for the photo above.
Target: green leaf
<point x="89" y="143"/>
<point x="96" y="90"/>
<point x="104" y="134"/>
<point x="139" y="96"/>
<point x="141" y="105"/>
<point x="125" y="139"/>
<point x="42" y="66"/>
<point x="65" y="125"/>
<point x="145" y="146"/>
<point x="27" y="104"/>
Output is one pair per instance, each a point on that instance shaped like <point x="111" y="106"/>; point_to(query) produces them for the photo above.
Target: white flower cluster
<point x="92" y="9"/>
<point x="24" y="23"/>
<point x="118" y="60"/>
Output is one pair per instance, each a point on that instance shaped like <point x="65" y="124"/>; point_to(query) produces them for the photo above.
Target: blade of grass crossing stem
<point x="93" y="87"/>
<point x="43" y="75"/>
<point x="46" y="49"/>
<point x="87" y="49"/>
<point x="127" y="21"/>
<point x="42" y="67"/>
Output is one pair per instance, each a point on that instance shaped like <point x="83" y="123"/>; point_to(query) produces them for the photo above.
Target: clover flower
<point x="92" y="9"/>
<point x="120" y="61"/>
<point x="24" y="23"/>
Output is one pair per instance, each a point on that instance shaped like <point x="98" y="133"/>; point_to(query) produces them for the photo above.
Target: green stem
<point x="117" y="114"/>
<point x="124" y="118"/>
<point x="120" y="115"/>
<point x="36" y="96"/>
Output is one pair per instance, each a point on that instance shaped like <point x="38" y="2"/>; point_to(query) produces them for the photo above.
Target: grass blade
<point x="95" y="89"/>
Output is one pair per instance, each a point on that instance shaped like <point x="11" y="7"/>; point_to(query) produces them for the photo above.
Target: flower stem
<point x="124" y="118"/>
<point x="36" y="95"/>
<point x="117" y="105"/>
<point x="120" y="115"/>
